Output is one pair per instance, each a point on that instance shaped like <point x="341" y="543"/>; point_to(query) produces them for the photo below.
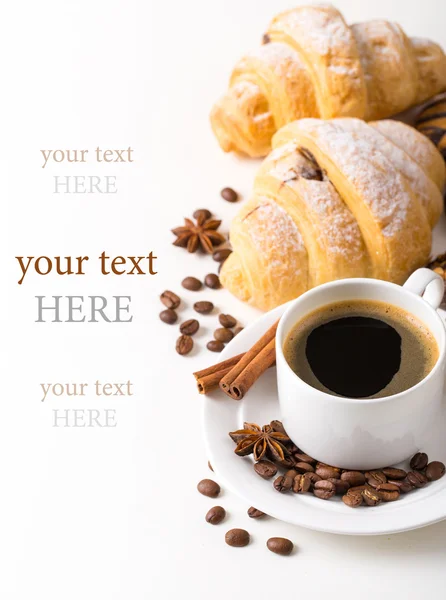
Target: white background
<point x="113" y="514"/>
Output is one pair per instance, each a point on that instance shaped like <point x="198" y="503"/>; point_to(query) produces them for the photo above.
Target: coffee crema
<point x="361" y="349"/>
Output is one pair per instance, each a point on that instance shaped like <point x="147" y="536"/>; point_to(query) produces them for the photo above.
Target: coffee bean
<point x="417" y="479"/>
<point x="221" y="255"/>
<point x="202" y="214"/>
<point x="375" y="478"/>
<point x="212" y="281"/>
<point x="313" y="477"/>
<point x="237" y="330"/>
<point x="326" y="471"/>
<point x="229" y="194"/>
<point x="168" y="316"/>
<point x="303" y="467"/>
<point x="280" y="546"/>
<point x="371" y="497"/>
<point x="435" y="470"/>
<point x="324" y="489"/>
<point x="227" y="321"/>
<point x="203" y="307"/>
<point x="419" y="461"/>
<point x="190" y="327"/>
<point x="392" y="473"/>
<point x="215" y="515"/>
<point x="388" y="492"/>
<point x="237" y="538"/>
<point x="255" y="513"/>
<point x="302" y="483"/>
<point x="223" y="335"/>
<point x="184" y="344"/>
<point x="209" y="488"/>
<point x="403" y="485"/>
<point x="341" y="485"/>
<point x="353" y="478"/>
<point x="265" y="469"/>
<point x="192" y="284"/>
<point x="352" y="499"/>
<point x="302" y="457"/>
<point x="284" y="483"/>
<point x="215" y="346"/>
<point x="170" y="300"/>
<point x="210" y="466"/>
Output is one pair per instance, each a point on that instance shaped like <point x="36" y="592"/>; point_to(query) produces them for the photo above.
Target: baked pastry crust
<point x="315" y="65"/>
<point x="335" y="198"/>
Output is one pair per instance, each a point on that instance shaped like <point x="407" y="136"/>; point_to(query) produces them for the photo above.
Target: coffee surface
<point x="361" y="349"/>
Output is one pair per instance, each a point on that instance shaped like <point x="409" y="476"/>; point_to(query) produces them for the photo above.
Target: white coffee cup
<point x="358" y="433"/>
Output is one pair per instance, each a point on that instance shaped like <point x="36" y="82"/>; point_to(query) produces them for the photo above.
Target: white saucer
<point x="221" y="415"/>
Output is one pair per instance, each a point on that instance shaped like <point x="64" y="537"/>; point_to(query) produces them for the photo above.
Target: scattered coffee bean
<point x="227" y="321"/>
<point x="223" y="335"/>
<point x="419" y="461"/>
<point x="357" y="488"/>
<point x="375" y="478"/>
<point x="403" y="485"/>
<point x="326" y="471"/>
<point x="435" y="470"/>
<point x="302" y="483"/>
<point x="371" y="497"/>
<point x="280" y="546"/>
<point x="168" y="316"/>
<point x="184" y="344"/>
<point x="284" y="483"/>
<point x="229" y="194"/>
<point x="221" y="255"/>
<point x="255" y="513"/>
<point x="265" y="468"/>
<point x="215" y="515"/>
<point x="190" y="327"/>
<point x="215" y="346"/>
<point x="417" y="479"/>
<point x="170" y="300"/>
<point x="393" y="473"/>
<point x="209" y="488"/>
<point x="341" y="486"/>
<point x="324" y="489"/>
<point x="302" y="457"/>
<point x="192" y="284"/>
<point x="303" y="467"/>
<point x="212" y="281"/>
<point x="210" y="466"/>
<point x="203" y="307"/>
<point x="237" y="330"/>
<point x="353" y="478"/>
<point x="352" y="499"/>
<point x="237" y="538"/>
<point x="388" y="492"/>
<point x="202" y="214"/>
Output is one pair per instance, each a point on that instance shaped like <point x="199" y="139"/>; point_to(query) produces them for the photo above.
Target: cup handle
<point x="427" y="284"/>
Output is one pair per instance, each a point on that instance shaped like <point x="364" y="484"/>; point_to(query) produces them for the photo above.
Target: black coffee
<point x="361" y="349"/>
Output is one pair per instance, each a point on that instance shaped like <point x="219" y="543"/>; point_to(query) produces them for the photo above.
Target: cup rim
<point x="368" y="282"/>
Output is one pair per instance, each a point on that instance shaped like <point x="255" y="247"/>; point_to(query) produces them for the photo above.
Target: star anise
<point x="261" y="442"/>
<point x="201" y="234"/>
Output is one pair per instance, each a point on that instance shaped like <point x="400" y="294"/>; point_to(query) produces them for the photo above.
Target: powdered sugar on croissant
<point x="315" y="65"/>
<point x="335" y="198"/>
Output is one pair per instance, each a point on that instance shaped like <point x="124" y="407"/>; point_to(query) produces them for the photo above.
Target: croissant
<point x="432" y="122"/>
<point x="312" y="64"/>
<point x="334" y="199"/>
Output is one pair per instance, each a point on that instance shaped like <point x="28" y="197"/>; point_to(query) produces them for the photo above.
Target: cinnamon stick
<point x="260" y="365"/>
<point x="208" y="379"/>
